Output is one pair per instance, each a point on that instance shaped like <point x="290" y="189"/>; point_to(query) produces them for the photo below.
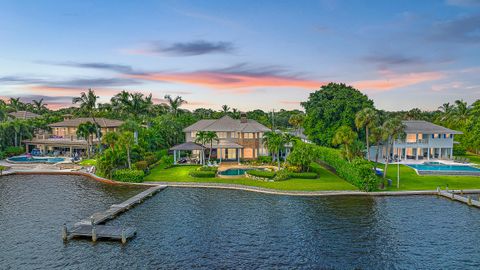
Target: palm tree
<point x="88" y="104"/>
<point x="461" y="113"/>
<point x="85" y="130"/>
<point x="110" y="139"/>
<point x="296" y="121"/>
<point x="345" y="137"/>
<point x="174" y="103"/>
<point x="393" y="129"/>
<point x="211" y="136"/>
<point x="16" y="104"/>
<point x="225" y="109"/>
<point x="126" y="141"/>
<point x="376" y="136"/>
<point x="366" y="118"/>
<point x="201" y="138"/>
<point x="274" y="142"/>
<point x="39" y="106"/>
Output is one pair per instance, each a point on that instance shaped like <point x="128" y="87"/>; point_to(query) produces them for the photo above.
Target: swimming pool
<point x="237" y="171"/>
<point x="440" y="168"/>
<point x="25" y="159"/>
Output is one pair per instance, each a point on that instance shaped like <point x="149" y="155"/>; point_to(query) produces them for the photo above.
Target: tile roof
<point x="419" y="126"/>
<point x="103" y="122"/>
<point x="23" y="115"/>
<point x="227" y="124"/>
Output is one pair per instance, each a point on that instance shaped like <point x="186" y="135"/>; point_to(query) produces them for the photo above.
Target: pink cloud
<point x="392" y="80"/>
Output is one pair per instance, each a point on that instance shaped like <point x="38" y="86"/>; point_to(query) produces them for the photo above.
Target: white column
<point x="238" y="156"/>
<point x="428" y="154"/>
<point x="451" y="153"/>
<point x="175" y="157"/>
<point x="416" y="153"/>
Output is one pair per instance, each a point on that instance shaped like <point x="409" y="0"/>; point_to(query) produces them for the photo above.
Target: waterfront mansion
<point x="237" y="138"/>
<point x="422" y="140"/>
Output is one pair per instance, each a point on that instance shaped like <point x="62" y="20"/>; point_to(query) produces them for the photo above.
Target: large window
<point x="411" y="138"/>
<point x="248" y="135"/>
<point x="194" y="134"/>
<point x="248" y="153"/>
<point x="222" y="135"/>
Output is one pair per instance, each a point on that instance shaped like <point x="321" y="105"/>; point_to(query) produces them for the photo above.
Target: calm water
<point x="444" y="167"/>
<point x="201" y="228"/>
<point x="36" y="159"/>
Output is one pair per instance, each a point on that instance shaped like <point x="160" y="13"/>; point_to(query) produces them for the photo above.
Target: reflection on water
<point x="208" y="228"/>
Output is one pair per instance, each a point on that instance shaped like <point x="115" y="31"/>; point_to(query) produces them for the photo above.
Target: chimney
<point x="243" y="118"/>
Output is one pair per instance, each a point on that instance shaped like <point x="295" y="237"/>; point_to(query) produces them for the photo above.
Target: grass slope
<point x="326" y="181"/>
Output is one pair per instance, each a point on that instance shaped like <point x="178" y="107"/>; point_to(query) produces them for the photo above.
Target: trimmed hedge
<point x="14" y="151"/>
<point x="127" y="175"/>
<point x="303" y="175"/>
<point x="203" y="174"/>
<point x="359" y="172"/>
<point x="262" y="174"/>
<point x="208" y="169"/>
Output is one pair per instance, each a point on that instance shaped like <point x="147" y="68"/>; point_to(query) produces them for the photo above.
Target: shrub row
<point x="14" y="151"/>
<point x="203" y="174"/>
<point x="208" y="169"/>
<point x="262" y="174"/>
<point x="358" y="172"/>
<point x="127" y="175"/>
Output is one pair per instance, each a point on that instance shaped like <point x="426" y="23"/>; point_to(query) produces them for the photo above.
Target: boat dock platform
<point x="92" y="227"/>
<point x="458" y="196"/>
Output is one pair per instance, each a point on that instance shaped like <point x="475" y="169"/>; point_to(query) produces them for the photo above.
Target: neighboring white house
<point x="423" y="140"/>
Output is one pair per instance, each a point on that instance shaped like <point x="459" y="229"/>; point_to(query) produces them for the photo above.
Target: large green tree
<point x="331" y="107"/>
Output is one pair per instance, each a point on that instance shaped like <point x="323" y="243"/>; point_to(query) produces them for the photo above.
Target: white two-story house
<point x="422" y="140"/>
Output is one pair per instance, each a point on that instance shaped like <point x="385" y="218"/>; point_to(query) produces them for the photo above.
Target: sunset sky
<point x="246" y="54"/>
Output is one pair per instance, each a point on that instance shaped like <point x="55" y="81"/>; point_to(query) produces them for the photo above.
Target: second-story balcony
<point x="425" y="143"/>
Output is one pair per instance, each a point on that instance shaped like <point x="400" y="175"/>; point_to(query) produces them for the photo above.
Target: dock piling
<point x="64" y="232"/>
<point x="124" y="237"/>
<point x="94" y="234"/>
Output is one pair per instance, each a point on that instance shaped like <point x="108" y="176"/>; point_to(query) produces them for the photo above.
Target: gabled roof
<point x="23" y="115"/>
<point x="103" y="122"/>
<point x="227" y="124"/>
<point x="188" y="146"/>
<point x="420" y="126"/>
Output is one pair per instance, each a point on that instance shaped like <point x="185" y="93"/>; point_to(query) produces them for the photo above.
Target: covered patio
<point x="195" y="148"/>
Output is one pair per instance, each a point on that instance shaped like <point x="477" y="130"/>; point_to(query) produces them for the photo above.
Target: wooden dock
<point x="458" y="196"/>
<point x="92" y="228"/>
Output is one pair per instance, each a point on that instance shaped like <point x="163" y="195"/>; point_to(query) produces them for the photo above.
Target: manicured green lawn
<point x="326" y="181"/>
<point x="88" y="162"/>
<point x="473" y="158"/>
<point x="409" y="180"/>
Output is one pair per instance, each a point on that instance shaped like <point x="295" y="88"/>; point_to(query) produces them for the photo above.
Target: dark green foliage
<point x="359" y="172"/>
<point x="282" y="175"/>
<point x="303" y="155"/>
<point x="2" y="155"/>
<point x="264" y="159"/>
<point x="459" y="150"/>
<point x="166" y="161"/>
<point x="331" y="107"/>
<point x="14" y="151"/>
<point x="151" y="158"/>
<point x="262" y="174"/>
<point x="203" y="174"/>
<point x="208" y="169"/>
<point x="303" y="175"/>
<point x="141" y="165"/>
<point x="127" y="175"/>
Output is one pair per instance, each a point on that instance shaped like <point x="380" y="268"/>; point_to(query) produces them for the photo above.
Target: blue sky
<point x="246" y="54"/>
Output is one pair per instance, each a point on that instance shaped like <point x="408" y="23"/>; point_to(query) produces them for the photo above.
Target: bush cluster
<point x="207" y="169"/>
<point x="358" y="172"/>
<point x="203" y="174"/>
<point x="262" y="174"/>
<point x="141" y="165"/>
<point x="14" y="151"/>
<point x="127" y="175"/>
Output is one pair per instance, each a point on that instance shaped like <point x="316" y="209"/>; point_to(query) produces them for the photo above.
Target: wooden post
<point x="94" y="234"/>
<point x="438" y="190"/>
<point x="469" y="200"/>
<point x="64" y="232"/>
<point x="124" y="237"/>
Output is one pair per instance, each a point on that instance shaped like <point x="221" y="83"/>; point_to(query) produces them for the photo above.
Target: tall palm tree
<point x="174" y="103"/>
<point x="210" y="137"/>
<point x="376" y="136"/>
<point x="345" y="137"/>
<point x="296" y="120"/>
<point x="274" y="142"/>
<point x="225" y="109"/>
<point x="393" y="129"/>
<point x="88" y="104"/>
<point x="461" y="113"/>
<point x="85" y="130"/>
<point x="110" y="139"/>
<point x="15" y="104"/>
<point x="38" y="106"/>
<point x="201" y="138"/>
<point x="366" y="118"/>
<point x="126" y="141"/>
